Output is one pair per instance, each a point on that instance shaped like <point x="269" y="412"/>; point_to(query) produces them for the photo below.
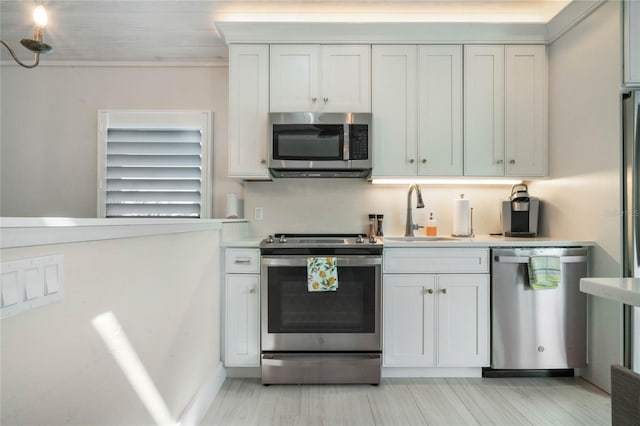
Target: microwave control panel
<point x="358" y="142"/>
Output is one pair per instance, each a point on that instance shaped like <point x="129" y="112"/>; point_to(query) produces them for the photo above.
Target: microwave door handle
<point x="345" y="147"/>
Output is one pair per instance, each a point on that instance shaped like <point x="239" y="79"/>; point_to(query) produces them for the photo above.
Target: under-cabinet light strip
<point x="427" y="181"/>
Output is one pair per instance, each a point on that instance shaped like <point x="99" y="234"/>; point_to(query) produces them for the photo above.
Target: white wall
<point x="55" y="368"/>
<point x="48" y="129"/>
<point x="583" y="191"/>
<point x="342" y="205"/>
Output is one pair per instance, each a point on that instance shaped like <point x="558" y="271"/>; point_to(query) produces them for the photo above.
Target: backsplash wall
<point x="342" y="206"/>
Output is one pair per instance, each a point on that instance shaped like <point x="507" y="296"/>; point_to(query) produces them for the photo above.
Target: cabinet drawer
<point x="242" y="261"/>
<point x="436" y="260"/>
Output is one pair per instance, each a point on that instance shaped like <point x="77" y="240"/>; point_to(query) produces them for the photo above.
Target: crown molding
<point x="407" y="32"/>
<point x="569" y="17"/>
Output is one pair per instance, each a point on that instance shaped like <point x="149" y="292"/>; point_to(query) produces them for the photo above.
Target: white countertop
<point x="488" y="241"/>
<point x="625" y="290"/>
<point x="477" y="241"/>
<point x="32" y="231"/>
<point x="243" y="243"/>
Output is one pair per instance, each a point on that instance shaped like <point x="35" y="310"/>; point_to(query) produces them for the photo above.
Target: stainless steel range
<point x="321" y="336"/>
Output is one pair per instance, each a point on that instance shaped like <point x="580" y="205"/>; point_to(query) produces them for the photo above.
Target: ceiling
<point x="185" y="31"/>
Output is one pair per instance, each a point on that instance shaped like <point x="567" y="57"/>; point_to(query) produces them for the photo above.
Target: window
<point x="153" y="163"/>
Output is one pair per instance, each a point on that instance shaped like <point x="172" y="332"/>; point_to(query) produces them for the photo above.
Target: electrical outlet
<point x="259" y="213"/>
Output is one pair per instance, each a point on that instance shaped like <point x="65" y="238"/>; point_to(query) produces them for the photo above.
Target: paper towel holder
<point x="470" y="234"/>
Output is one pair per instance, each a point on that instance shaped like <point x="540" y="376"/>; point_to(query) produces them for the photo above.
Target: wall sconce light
<point x="35" y="45"/>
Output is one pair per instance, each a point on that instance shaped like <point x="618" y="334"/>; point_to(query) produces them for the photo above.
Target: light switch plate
<point x="30" y="283"/>
<point x="9" y="288"/>
<point x="33" y="282"/>
<point x="51" y="279"/>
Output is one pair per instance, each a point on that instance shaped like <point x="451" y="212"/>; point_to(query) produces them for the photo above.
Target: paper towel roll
<point x="232" y="205"/>
<point x="461" y="217"/>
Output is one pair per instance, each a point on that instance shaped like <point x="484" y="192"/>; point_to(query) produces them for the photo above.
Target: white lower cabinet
<point x="463" y="320"/>
<point x="436" y="319"/>
<point x="242" y="309"/>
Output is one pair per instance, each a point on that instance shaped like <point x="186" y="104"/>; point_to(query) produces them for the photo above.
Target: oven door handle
<point x="302" y="260"/>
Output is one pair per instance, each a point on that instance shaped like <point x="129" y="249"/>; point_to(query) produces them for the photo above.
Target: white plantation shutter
<point x="153" y="171"/>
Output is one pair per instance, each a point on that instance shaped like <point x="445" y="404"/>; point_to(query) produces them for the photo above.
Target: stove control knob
<point x="372" y="239"/>
<point x="269" y="239"/>
<point x="359" y="239"/>
<point x="282" y="239"/>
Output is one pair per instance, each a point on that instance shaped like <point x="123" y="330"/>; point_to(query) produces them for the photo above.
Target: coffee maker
<point x="520" y="213"/>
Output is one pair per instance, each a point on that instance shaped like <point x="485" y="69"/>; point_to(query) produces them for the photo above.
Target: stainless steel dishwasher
<point x="537" y="328"/>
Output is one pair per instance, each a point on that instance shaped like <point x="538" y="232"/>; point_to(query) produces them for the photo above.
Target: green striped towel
<point x="544" y="272"/>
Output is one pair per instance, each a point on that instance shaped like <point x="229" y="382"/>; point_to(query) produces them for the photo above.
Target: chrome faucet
<point x="410" y="226"/>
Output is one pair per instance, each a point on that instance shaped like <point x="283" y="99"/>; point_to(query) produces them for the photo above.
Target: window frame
<point x="156" y="119"/>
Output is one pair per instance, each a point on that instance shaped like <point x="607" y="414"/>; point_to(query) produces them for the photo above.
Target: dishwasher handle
<point x="525" y="259"/>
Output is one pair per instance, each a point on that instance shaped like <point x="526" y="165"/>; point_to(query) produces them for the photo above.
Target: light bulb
<point x="40" y="16"/>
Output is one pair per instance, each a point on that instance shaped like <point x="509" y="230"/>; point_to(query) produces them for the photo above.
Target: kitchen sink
<point x="419" y="239"/>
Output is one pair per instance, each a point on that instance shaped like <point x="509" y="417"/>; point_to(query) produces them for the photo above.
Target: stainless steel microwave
<point x="320" y="144"/>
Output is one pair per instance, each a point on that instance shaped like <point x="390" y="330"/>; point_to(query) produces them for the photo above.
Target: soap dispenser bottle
<point x="432" y="226"/>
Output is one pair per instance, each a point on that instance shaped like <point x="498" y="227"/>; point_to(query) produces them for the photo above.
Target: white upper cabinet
<point x="505" y="110"/>
<point x="320" y="78"/>
<point x="484" y="110"/>
<point x="440" y="110"/>
<point x="294" y="78"/>
<point x="346" y="78"/>
<point x="525" y="111"/>
<point x="417" y="110"/>
<point x="248" y="111"/>
<point x="394" y="108"/>
<point x="632" y="42"/>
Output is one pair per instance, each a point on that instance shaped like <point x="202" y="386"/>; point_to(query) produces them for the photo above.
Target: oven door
<point x="295" y="319"/>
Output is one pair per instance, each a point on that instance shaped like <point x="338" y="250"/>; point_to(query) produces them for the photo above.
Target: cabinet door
<point x="408" y="320"/>
<point x="484" y="110"/>
<point x="463" y="320"/>
<point x="632" y="42"/>
<point x="440" y="110"/>
<point x="294" y="78"/>
<point x="525" y="111"/>
<point x="242" y="320"/>
<point x="346" y="79"/>
<point x="394" y="108"/>
<point x="249" y="103"/>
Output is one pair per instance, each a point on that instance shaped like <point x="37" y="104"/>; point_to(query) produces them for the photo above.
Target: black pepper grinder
<point x="379" y="218"/>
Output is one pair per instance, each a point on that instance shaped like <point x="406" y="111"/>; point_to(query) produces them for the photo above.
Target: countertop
<point x="477" y="241"/>
<point x="487" y="241"/>
<point x="625" y="290"/>
<point x="32" y="231"/>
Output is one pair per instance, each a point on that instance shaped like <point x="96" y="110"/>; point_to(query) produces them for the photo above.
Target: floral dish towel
<point x="322" y="273"/>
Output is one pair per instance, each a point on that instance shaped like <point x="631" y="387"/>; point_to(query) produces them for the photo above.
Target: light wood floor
<point x="403" y="402"/>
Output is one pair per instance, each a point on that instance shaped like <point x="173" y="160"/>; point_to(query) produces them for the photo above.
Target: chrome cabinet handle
<point x="242" y="260"/>
<point x="263" y="161"/>
<point x="326" y="100"/>
<point x="424" y="161"/>
<point x="499" y="162"/>
<point x="512" y="161"/>
<point x="252" y="291"/>
<point x="314" y="100"/>
<point x="411" y="160"/>
<point x="429" y="291"/>
<point x="444" y="291"/>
